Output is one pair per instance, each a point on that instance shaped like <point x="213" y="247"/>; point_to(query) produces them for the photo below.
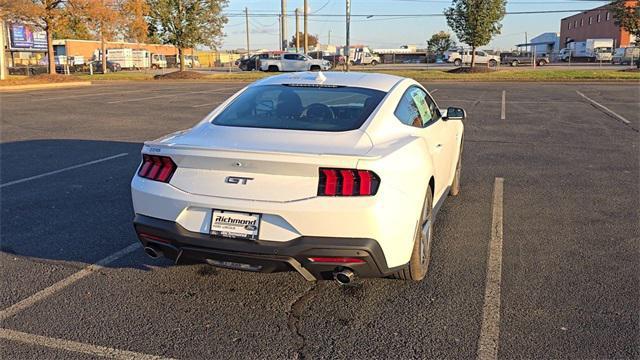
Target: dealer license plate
<point x="235" y="224"/>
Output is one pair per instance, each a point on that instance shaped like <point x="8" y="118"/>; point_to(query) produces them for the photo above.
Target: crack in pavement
<point x="294" y="313"/>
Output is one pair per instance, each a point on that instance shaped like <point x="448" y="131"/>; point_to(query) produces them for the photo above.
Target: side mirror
<point x="455" y="113"/>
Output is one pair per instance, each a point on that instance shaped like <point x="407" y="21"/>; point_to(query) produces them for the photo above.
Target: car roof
<point x="376" y="81"/>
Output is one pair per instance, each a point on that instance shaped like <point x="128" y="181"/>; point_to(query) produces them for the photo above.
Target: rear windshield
<point x="301" y="108"/>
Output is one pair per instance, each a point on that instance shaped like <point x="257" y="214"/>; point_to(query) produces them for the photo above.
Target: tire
<point x="493" y="63"/>
<point x="314" y="68"/>
<point x="351" y="62"/>
<point x="374" y="63"/>
<point x="514" y="63"/>
<point x="455" y="184"/>
<point x="154" y="66"/>
<point x="421" y="254"/>
<point x="457" y="62"/>
<point x="273" y="68"/>
<point x="542" y="63"/>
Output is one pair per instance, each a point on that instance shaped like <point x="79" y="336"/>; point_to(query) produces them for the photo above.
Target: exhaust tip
<point x="344" y="277"/>
<point x="152" y="252"/>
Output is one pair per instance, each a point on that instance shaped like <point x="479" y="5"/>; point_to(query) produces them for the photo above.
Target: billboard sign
<point x="23" y="38"/>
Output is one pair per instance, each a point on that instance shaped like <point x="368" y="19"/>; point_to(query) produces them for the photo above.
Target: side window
<point x="290" y="57"/>
<point x="480" y="53"/>
<point x="416" y="108"/>
<point x="301" y="57"/>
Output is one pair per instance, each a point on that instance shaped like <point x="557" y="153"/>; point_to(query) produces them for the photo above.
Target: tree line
<point x="182" y="23"/>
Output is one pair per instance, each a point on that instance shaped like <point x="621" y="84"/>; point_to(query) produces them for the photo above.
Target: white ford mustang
<point x="334" y="175"/>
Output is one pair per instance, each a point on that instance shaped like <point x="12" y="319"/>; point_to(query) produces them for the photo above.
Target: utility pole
<point x="306" y="34"/>
<point x="297" y="30"/>
<point x="283" y="12"/>
<point x="3" y="69"/>
<point x="329" y="38"/>
<point x="246" y="22"/>
<point x="347" y="46"/>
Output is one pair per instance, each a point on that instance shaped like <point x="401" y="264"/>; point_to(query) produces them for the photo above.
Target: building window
<point x="581" y="22"/>
<point x="608" y="16"/>
<point x="590" y="20"/>
<point x="569" y="25"/>
<point x="599" y="17"/>
<point x="575" y="24"/>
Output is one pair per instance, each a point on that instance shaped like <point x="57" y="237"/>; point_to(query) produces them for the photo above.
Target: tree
<point x="48" y="15"/>
<point x="626" y="15"/>
<point x="103" y="18"/>
<point x="135" y="12"/>
<point x="74" y="28"/>
<point x="187" y="23"/>
<point x="312" y="40"/>
<point x="440" y="42"/>
<point x="475" y="22"/>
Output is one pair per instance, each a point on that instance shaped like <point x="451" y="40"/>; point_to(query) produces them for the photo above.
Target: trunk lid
<point x="256" y="164"/>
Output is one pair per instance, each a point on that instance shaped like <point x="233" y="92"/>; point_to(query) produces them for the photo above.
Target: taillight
<point x="347" y="182"/>
<point x="158" y="168"/>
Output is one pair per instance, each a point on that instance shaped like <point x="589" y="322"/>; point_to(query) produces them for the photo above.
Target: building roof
<point x="382" y="82"/>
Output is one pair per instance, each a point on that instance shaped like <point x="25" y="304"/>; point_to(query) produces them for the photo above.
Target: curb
<point x="44" y="86"/>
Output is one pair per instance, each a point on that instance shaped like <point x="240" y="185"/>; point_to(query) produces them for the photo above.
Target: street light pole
<point x="347" y="46"/>
<point x="283" y="40"/>
<point x="297" y="30"/>
<point x="246" y="19"/>
<point x="306" y="34"/>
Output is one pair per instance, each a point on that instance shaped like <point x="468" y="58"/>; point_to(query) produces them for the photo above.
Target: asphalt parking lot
<point x="559" y="161"/>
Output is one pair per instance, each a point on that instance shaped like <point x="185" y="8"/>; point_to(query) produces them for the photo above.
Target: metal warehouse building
<point x="597" y="23"/>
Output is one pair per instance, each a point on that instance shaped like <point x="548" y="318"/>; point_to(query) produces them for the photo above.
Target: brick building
<point x="596" y="23"/>
<point x="86" y="48"/>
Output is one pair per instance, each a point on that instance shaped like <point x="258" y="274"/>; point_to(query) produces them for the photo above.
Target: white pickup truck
<point x="464" y="57"/>
<point x="294" y="62"/>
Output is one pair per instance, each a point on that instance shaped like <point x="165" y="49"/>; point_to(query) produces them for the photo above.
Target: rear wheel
<point x="421" y="255"/>
<point x="514" y="63"/>
<point x="374" y="63"/>
<point x="493" y="63"/>
<point x="273" y="68"/>
<point x="542" y="63"/>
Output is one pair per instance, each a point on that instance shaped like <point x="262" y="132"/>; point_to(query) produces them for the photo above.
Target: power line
<point x="533" y="12"/>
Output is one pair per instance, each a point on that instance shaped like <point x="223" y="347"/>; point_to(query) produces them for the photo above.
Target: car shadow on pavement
<point x="68" y="200"/>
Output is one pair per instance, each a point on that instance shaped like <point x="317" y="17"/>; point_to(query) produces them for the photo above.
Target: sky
<point x="389" y="32"/>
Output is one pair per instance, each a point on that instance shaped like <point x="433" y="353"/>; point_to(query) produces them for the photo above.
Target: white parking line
<point x="63" y="169"/>
<point x="503" y="110"/>
<point x="490" y="331"/>
<point x="604" y="107"/>
<point x="74" y="346"/>
<point x="171" y="95"/>
<point x="51" y="290"/>
<point x="432" y="91"/>
<point x="73" y="96"/>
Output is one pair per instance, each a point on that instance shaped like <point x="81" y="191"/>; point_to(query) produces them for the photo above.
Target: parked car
<point x="294" y="62"/>
<point x="464" y="57"/>
<point x="111" y="66"/>
<point x="515" y="59"/>
<point x="253" y="62"/>
<point x="626" y="55"/>
<point x="338" y="175"/>
<point x="334" y="59"/>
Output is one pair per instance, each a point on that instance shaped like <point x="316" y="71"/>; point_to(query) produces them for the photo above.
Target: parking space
<point x="568" y="285"/>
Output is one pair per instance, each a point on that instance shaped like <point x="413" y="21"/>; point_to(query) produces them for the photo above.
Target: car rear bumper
<point x="181" y="245"/>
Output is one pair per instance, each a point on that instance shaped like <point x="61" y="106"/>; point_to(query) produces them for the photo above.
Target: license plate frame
<point x="235" y="224"/>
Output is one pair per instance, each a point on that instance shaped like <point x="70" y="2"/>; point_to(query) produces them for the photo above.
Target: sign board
<point x="23" y="38"/>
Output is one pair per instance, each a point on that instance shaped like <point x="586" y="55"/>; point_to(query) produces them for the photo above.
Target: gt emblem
<point x="237" y="180"/>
